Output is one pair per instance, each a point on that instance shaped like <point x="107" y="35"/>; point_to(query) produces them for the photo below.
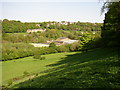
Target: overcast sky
<point x="52" y="10"/>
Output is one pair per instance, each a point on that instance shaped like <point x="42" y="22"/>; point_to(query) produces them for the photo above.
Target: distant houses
<point x="58" y="42"/>
<point x="38" y="25"/>
<point x="61" y="40"/>
<point x="64" y="41"/>
<point x="59" y="23"/>
<point x="35" y="30"/>
<point x="40" y="44"/>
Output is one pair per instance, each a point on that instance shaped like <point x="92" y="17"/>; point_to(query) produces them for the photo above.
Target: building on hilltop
<point x="35" y="30"/>
<point x="40" y="44"/>
<point x="38" y="25"/>
<point x="58" y="42"/>
<point x="64" y="40"/>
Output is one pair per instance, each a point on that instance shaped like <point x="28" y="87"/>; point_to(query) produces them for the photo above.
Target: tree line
<point x="13" y="26"/>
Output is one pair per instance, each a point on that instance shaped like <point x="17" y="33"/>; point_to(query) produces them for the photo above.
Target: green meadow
<point x="17" y="68"/>
<point x="93" y="69"/>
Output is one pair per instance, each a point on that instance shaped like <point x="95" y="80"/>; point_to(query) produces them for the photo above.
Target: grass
<point x="93" y="69"/>
<point x="18" y="67"/>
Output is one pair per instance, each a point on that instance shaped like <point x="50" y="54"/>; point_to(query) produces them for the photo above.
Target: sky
<point x="51" y="10"/>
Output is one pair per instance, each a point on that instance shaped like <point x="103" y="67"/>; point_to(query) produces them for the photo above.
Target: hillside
<point x="93" y="69"/>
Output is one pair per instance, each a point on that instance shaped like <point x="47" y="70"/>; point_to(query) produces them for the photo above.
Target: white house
<point x="35" y="30"/>
<point x="40" y="44"/>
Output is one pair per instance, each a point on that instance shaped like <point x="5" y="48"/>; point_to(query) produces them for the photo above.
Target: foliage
<point x="86" y="40"/>
<point x="38" y="57"/>
<point x="15" y="44"/>
<point x="53" y="45"/>
<point x="62" y="48"/>
<point x="12" y="26"/>
<point x="111" y="27"/>
<point x="25" y="73"/>
<point x="24" y="38"/>
<point x="12" y="51"/>
<point x="16" y="50"/>
<point x="10" y="82"/>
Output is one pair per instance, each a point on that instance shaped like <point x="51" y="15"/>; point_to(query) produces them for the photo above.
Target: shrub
<point x="10" y="82"/>
<point x="25" y="73"/>
<point x="52" y="50"/>
<point x="62" y="49"/>
<point x="42" y="58"/>
<point x="74" y="46"/>
<point x="38" y="57"/>
<point x="52" y="45"/>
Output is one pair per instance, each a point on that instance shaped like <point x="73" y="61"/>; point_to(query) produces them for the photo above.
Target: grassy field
<point x="94" y="69"/>
<point x="16" y="68"/>
<point x="98" y="68"/>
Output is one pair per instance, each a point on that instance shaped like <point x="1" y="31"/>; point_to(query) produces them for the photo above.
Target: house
<point x="38" y="25"/>
<point x="65" y="23"/>
<point x="40" y="44"/>
<point x="58" y="42"/>
<point x="35" y="30"/>
<point x="62" y="39"/>
<point x="70" y="41"/>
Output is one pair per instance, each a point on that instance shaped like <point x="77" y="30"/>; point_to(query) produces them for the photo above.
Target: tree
<point x="111" y="27"/>
<point x="53" y="45"/>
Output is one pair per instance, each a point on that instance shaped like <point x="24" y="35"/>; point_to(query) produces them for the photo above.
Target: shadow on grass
<point x="93" y="69"/>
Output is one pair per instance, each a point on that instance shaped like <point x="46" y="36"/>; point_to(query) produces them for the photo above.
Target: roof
<point x="62" y="38"/>
<point x="70" y="41"/>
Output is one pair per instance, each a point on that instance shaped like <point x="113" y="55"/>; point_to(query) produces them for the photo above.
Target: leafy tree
<point x="74" y="46"/>
<point x="62" y="49"/>
<point x="37" y="56"/>
<point x="85" y="39"/>
<point x="111" y="27"/>
<point x="53" y="45"/>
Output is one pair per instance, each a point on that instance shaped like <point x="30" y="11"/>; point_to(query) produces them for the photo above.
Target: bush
<point x="38" y="57"/>
<point x="52" y="50"/>
<point x="62" y="49"/>
<point x="42" y="58"/>
<point x="52" y="45"/>
<point x="10" y="82"/>
<point x="74" y="46"/>
<point x="25" y="73"/>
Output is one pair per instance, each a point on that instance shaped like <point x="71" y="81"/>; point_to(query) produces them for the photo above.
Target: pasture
<point x="93" y="69"/>
<point x="17" y="68"/>
<point x="98" y="68"/>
